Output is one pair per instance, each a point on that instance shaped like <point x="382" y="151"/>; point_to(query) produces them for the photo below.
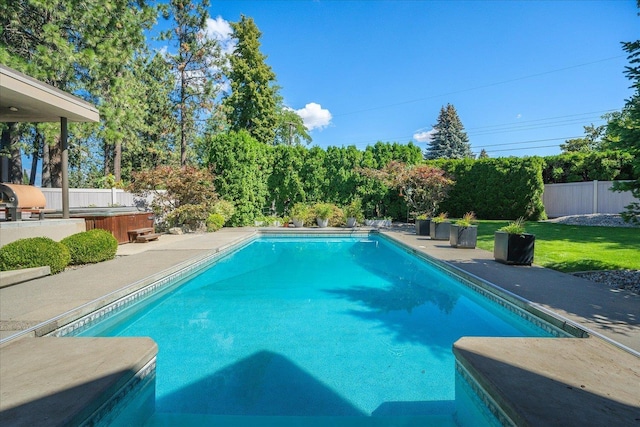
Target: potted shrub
<point x="423" y="225"/>
<point x="323" y="212"/>
<point x="463" y="234"/>
<point x="440" y="227"/>
<point x="512" y="245"/>
<point x="353" y="213"/>
<point x="273" y="221"/>
<point x="299" y="214"/>
<point x="259" y="221"/>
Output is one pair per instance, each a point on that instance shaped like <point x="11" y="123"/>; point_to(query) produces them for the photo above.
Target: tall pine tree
<point x="197" y="63"/>
<point x="84" y="47"/>
<point x="450" y="140"/>
<point x="252" y="103"/>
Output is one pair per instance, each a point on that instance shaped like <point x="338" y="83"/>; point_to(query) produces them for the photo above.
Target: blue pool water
<point x="314" y="329"/>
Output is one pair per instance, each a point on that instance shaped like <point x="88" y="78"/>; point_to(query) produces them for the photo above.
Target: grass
<point x="571" y="248"/>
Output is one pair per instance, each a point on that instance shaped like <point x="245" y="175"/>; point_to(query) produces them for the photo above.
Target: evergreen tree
<point x="252" y="103"/>
<point x="111" y="39"/>
<point x="158" y="138"/>
<point x="86" y="48"/>
<point x="197" y="64"/>
<point x="628" y="130"/>
<point x="450" y="140"/>
<point x="32" y="40"/>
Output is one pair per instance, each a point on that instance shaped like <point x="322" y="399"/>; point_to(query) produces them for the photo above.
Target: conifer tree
<point x="252" y="103"/>
<point x="628" y="130"/>
<point x="86" y="48"/>
<point x="450" y="140"/>
<point x="197" y="64"/>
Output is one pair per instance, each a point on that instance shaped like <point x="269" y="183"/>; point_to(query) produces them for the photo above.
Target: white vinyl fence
<point x="580" y="198"/>
<point x="88" y="197"/>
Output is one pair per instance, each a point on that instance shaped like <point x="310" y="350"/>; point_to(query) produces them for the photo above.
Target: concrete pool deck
<point x="538" y="382"/>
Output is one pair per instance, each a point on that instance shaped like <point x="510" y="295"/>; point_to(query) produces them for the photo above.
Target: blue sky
<point x="523" y="75"/>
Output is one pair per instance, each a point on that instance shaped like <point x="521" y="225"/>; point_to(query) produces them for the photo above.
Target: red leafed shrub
<point x="178" y="196"/>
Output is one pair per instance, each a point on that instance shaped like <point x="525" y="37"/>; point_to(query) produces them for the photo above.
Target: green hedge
<point x="501" y="188"/>
<point x="91" y="246"/>
<point x="241" y="166"/>
<point x="34" y="252"/>
<point x="596" y="165"/>
<point x="256" y="176"/>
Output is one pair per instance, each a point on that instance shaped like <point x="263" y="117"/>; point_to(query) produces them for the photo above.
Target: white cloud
<point x="519" y="116"/>
<point x="314" y="116"/>
<point x="424" y="136"/>
<point x="220" y="30"/>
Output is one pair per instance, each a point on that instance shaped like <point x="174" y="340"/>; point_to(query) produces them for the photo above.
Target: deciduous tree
<point x="180" y="196"/>
<point x="423" y="187"/>
<point x="590" y="142"/>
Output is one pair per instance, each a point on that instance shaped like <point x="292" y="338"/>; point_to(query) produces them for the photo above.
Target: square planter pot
<point x="298" y="223"/>
<point x="423" y="227"/>
<point x="351" y="222"/>
<point x="322" y="223"/>
<point x="515" y="249"/>
<point x="463" y="237"/>
<point x="440" y="230"/>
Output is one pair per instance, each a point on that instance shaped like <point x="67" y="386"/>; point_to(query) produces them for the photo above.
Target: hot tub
<point x="118" y="220"/>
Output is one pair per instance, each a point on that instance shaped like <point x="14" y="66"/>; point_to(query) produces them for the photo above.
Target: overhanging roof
<point x="36" y="101"/>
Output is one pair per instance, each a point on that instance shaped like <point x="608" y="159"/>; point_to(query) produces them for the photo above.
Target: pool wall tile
<point x="483" y="397"/>
<point x="111" y="409"/>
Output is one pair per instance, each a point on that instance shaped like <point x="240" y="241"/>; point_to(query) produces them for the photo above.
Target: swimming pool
<point x="290" y="329"/>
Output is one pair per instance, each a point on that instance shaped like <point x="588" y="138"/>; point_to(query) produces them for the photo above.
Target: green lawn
<point x="572" y="248"/>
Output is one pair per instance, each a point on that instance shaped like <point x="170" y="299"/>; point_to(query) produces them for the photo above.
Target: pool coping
<point x="248" y="235"/>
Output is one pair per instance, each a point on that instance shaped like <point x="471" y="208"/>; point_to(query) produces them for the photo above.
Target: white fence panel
<point x="88" y="197"/>
<point x="580" y="198"/>
<point x="611" y="201"/>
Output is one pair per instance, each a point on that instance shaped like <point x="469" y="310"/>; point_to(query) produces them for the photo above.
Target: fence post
<point x="595" y="197"/>
<point x="114" y="199"/>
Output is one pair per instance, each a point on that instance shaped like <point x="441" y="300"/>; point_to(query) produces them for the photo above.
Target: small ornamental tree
<point x="423" y="187"/>
<point x="179" y="196"/>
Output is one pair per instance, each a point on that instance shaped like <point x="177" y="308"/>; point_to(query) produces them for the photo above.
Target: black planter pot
<point x="440" y="230"/>
<point x="463" y="237"/>
<point x="516" y="249"/>
<point x="423" y="227"/>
